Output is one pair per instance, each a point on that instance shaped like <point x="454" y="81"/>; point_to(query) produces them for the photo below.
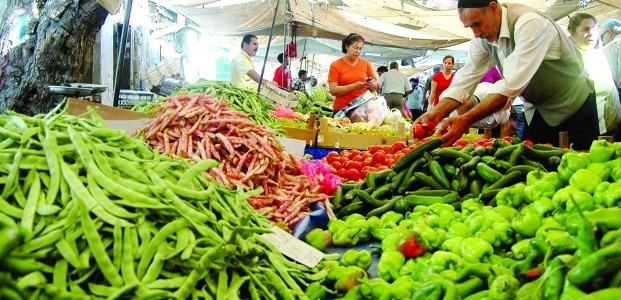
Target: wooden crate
<point x="331" y="139"/>
<point x="276" y="95"/>
<point x="153" y="75"/>
<point x="309" y="134"/>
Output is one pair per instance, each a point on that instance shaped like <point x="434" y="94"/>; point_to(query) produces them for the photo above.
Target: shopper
<point x="299" y="83"/>
<point x="498" y="121"/>
<point x="442" y="80"/>
<point x="611" y="36"/>
<point x="415" y="98"/>
<point x="350" y="76"/>
<point x="243" y="74"/>
<point x="427" y="89"/>
<point x="381" y="70"/>
<point x="395" y="87"/>
<point x="583" y="30"/>
<point x="278" y="73"/>
<point x="546" y="69"/>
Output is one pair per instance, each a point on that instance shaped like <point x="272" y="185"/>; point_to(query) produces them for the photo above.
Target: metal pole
<point x="119" y="61"/>
<point x="269" y="42"/>
<point x="284" y="48"/>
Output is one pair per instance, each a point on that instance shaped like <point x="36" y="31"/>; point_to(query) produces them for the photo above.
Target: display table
<point x="332" y="139"/>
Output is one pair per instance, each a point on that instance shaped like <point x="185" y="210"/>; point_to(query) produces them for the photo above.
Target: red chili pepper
<point x="528" y="143"/>
<point x="410" y="248"/>
<point x="536" y="272"/>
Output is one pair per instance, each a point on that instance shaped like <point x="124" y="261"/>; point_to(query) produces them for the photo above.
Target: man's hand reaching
<point x="452" y="130"/>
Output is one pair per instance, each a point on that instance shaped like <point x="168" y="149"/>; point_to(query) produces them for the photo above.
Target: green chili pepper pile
<point x="102" y="215"/>
<point x="238" y="99"/>
<point x="546" y="235"/>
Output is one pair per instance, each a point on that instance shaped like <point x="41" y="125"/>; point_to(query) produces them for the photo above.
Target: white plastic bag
<point x="372" y="111"/>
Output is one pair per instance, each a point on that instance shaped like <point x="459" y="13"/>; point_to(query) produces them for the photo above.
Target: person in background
<point x="537" y="60"/>
<point x="415" y="98"/>
<point x="442" y="80"/>
<point x="427" y="89"/>
<point x="299" y="83"/>
<point x="583" y="30"/>
<point x="381" y="70"/>
<point x="498" y="121"/>
<point x="243" y="74"/>
<point x="310" y="85"/>
<point x="395" y="87"/>
<point x="492" y="76"/>
<point x="611" y="37"/>
<point x="350" y="76"/>
<point x="278" y="74"/>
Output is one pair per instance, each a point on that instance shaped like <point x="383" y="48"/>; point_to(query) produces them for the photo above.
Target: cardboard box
<point x="330" y="139"/>
<point x="117" y="118"/>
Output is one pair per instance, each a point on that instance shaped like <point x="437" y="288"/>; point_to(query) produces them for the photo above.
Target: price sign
<point x="293" y="248"/>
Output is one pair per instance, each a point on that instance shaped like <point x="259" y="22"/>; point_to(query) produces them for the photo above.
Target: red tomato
<point x="398" y="156"/>
<point x="365" y="163"/>
<point x="397" y="146"/>
<point x="378" y="157"/>
<point x="337" y="165"/>
<point x="332" y="154"/>
<point x="334" y="170"/>
<point x="363" y="173"/>
<point x="353" y="153"/>
<point x="353" y="165"/>
<point x="382" y="168"/>
<point x="528" y="143"/>
<point x="406" y="151"/>
<point x="387" y="149"/>
<point x="488" y="144"/>
<point x="410" y="248"/>
<point x="343" y="160"/>
<point x="431" y="126"/>
<point x="342" y="173"/>
<point x="373" y="148"/>
<point x="419" y="131"/>
<point x="508" y="139"/>
<point x="353" y="174"/>
<point x="372" y="169"/>
<point x="366" y="155"/>
<point x="357" y="158"/>
<point x="345" y="153"/>
<point x="389" y="162"/>
<point x="424" y="140"/>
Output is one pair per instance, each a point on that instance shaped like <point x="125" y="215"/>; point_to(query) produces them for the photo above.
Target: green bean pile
<point x="103" y="215"/>
<point x="238" y="99"/>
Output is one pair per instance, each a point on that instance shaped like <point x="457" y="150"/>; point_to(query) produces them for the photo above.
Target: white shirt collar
<point x="504" y="27"/>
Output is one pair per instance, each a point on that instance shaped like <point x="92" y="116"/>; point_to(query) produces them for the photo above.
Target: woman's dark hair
<point x="280" y="58"/>
<point x="349" y="40"/>
<point x="575" y="21"/>
<point x="449" y="56"/>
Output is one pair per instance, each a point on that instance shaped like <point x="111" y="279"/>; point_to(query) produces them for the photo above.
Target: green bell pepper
<point x="319" y="239"/>
<point x="458" y="229"/>
<point x="428" y="236"/>
<point x="373" y="288"/>
<point x="601" y="151"/>
<point x="349" y="278"/>
<point x="336" y="225"/>
<point x="585" y="180"/>
<point x="438" y="208"/>
<point x="315" y="291"/>
<point x="375" y="222"/>
<point x="408" y="267"/>
<point x="392" y="216"/>
<point x="562" y="197"/>
<point x="601" y="169"/>
<point x="476" y="250"/>
<point x="353" y="294"/>
<point x="360" y="258"/>
<point x="401" y="288"/>
<point x="572" y="162"/>
<point x="389" y="265"/>
<point x="471" y="205"/>
<point x="543" y="206"/>
<point x="365" y="232"/>
<point x="506" y="211"/>
<point x="547" y="224"/>
<point x="511" y="196"/>
<point x="526" y="223"/>
<point x="505" y="233"/>
<point x="489" y="235"/>
<point x="381" y="233"/>
<point x="520" y="249"/>
<point x="453" y="245"/>
<point x="607" y="194"/>
<point x="442" y="260"/>
<point x="346" y="237"/>
<point x="504" y="287"/>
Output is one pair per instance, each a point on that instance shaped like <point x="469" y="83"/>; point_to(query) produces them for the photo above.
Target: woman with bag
<point x="350" y="76"/>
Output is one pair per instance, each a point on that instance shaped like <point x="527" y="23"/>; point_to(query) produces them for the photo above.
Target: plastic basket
<point x="129" y="98"/>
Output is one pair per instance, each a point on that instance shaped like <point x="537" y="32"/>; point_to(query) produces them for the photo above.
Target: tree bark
<point x="57" y="48"/>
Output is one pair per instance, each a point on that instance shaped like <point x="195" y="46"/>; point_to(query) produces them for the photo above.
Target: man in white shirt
<point x="611" y="36"/>
<point x="537" y="60"/>
<point x="395" y="87"/>
<point x="243" y="74"/>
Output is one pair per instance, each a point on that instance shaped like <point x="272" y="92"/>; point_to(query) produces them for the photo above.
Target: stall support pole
<point x="119" y="59"/>
<point x="269" y="42"/>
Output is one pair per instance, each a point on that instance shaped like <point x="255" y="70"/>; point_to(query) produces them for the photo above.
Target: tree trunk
<point x="56" y="48"/>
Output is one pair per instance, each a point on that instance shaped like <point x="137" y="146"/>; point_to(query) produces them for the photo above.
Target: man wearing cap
<point x="537" y="61"/>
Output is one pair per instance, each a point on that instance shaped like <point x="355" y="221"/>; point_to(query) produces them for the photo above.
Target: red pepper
<point x="536" y="272"/>
<point x="528" y="143"/>
<point x="410" y="248"/>
<point x="508" y="139"/>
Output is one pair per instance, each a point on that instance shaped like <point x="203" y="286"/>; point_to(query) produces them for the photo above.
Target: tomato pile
<point x="355" y="164"/>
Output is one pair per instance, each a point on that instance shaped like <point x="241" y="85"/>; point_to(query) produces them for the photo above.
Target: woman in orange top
<point x="350" y="76"/>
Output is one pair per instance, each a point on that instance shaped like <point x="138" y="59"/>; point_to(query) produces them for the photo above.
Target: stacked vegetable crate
<point x="331" y="139"/>
<point x="308" y="134"/>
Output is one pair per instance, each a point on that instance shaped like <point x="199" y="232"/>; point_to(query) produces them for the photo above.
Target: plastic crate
<point x="129" y="98"/>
